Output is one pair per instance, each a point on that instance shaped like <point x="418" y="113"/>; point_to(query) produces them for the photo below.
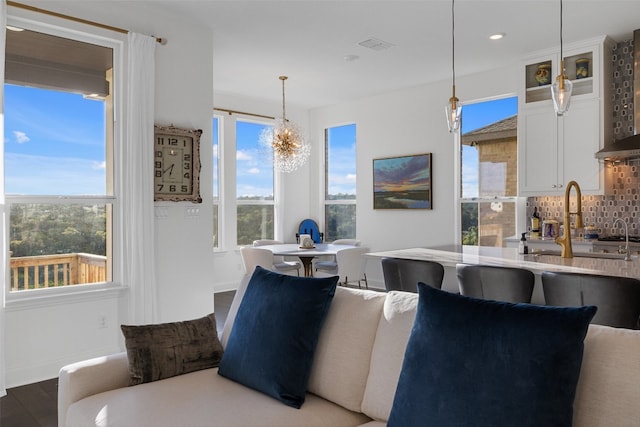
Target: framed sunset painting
<point x="402" y="182"/>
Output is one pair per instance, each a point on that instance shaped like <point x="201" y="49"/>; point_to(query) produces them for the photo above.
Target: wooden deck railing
<point x="34" y="272"/>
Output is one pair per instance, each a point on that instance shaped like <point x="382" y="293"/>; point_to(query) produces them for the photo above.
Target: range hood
<point x="628" y="148"/>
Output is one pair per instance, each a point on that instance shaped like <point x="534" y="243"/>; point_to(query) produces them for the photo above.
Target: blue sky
<point x="54" y="143"/>
<point x="254" y="165"/>
<point x="474" y="116"/>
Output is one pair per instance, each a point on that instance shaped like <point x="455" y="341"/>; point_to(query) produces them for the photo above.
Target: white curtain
<point x="4" y="258"/>
<point x="137" y="212"/>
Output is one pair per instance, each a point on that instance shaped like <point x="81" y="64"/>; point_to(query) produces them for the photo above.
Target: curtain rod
<point x="230" y="112"/>
<point x="74" y="19"/>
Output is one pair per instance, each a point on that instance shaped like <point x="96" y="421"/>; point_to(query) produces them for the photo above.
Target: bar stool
<point x="495" y="283"/>
<point x="617" y="298"/>
<point x="404" y="274"/>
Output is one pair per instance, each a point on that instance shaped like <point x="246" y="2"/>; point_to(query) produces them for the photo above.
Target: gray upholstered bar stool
<point x="617" y="298"/>
<point x="404" y="274"/>
<point x="495" y="283"/>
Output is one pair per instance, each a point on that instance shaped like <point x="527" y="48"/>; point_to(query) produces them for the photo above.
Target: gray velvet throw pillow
<point x="168" y="349"/>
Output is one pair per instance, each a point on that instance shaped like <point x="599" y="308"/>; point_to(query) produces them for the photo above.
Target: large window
<point x="254" y="184"/>
<point x="489" y="172"/>
<point x="340" y="183"/>
<point x="58" y="158"/>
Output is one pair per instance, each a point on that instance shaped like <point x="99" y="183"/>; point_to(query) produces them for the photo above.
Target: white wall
<point x="43" y="336"/>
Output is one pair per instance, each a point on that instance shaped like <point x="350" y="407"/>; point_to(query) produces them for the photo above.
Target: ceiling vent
<point x="375" y="44"/>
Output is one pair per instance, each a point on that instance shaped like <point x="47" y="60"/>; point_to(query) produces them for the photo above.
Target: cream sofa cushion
<point x="341" y="363"/>
<point x="609" y="379"/>
<point x="388" y="353"/>
<point x="202" y="398"/>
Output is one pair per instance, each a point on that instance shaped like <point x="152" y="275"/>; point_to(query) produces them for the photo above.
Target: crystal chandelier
<point x="562" y="87"/>
<point x="453" y="108"/>
<point x="290" y="150"/>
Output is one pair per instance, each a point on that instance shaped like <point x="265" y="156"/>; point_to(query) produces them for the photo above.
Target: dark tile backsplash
<point x="623" y="181"/>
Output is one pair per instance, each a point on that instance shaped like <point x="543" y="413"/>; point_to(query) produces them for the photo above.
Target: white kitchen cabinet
<point x="555" y="150"/>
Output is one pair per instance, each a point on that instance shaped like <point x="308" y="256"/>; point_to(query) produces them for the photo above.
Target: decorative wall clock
<point x="177" y="164"/>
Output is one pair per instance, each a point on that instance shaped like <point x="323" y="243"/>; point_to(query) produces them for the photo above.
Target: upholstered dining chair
<point x="329" y="263"/>
<point x="350" y="265"/>
<point x="404" y="274"/>
<point x="279" y="262"/>
<point x="617" y="298"/>
<point x="254" y="256"/>
<point x="496" y="283"/>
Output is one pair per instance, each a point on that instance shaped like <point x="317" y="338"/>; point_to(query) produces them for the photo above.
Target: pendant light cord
<point x="284" y="117"/>
<point x="561" y="54"/>
<point x="453" y="44"/>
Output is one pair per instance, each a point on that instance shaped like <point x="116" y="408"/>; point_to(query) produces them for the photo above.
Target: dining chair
<point x="310" y="227"/>
<point x="404" y="274"/>
<point x="350" y="264"/>
<point x="254" y="256"/>
<point x="327" y="263"/>
<point x="617" y="298"/>
<point x="352" y="242"/>
<point x="278" y="261"/>
<point x="495" y="283"/>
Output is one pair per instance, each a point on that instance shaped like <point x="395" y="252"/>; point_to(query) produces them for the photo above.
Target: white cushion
<point x="341" y="362"/>
<point x="388" y="353"/>
<point x="202" y="398"/>
<point x="609" y="379"/>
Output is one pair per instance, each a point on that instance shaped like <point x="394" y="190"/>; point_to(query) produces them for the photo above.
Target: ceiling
<point x="308" y="40"/>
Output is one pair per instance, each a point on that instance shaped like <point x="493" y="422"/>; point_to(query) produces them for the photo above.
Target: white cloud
<point x="100" y="165"/>
<point x="20" y="137"/>
<point x="254" y="171"/>
<point x="243" y="155"/>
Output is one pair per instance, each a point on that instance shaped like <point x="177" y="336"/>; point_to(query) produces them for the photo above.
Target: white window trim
<point x="324" y="202"/>
<point x="65" y="294"/>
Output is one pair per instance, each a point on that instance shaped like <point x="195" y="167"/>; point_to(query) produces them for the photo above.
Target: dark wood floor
<point x="35" y="405"/>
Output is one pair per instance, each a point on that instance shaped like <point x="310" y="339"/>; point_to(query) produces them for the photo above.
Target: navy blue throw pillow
<point x="275" y="332"/>
<point x="472" y="362"/>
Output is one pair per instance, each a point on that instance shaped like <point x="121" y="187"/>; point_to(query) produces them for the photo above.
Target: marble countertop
<point x="451" y="255"/>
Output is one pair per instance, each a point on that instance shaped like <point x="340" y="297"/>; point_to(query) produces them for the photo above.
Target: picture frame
<point x="403" y="182"/>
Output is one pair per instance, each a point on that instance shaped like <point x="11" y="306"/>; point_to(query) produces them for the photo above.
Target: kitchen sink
<point x="601" y="255"/>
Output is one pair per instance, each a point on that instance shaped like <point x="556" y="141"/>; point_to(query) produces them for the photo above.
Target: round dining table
<point x="306" y="255"/>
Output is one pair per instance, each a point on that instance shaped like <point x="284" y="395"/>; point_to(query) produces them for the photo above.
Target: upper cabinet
<point x="555" y="150"/>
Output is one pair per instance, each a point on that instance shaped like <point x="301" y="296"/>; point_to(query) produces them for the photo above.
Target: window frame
<point x="113" y="136"/>
<point x="277" y="187"/>
<point x="325" y="181"/>
<point x="519" y="202"/>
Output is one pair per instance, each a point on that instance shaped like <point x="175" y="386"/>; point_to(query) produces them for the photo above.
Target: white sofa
<point x="353" y="380"/>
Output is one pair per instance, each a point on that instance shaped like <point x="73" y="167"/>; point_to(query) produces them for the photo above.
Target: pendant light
<point x="290" y="151"/>
<point x="453" y="109"/>
<point x="561" y="89"/>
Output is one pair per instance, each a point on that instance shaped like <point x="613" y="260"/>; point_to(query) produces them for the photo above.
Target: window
<point x="58" y="157"/>
<point x="488" y="158"/>
<point x="216" y="181"/>
<point x="254" y="184"/>
<point x="340" y="183"/>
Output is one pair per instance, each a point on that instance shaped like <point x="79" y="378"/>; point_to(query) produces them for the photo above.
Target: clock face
<point x="176" y="164"/>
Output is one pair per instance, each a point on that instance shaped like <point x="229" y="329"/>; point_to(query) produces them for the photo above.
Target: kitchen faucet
<point x="627" y="253"/>
<point x="565" y="240"/>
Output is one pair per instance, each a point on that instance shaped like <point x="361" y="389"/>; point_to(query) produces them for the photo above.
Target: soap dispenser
<point x="523" y="248"/>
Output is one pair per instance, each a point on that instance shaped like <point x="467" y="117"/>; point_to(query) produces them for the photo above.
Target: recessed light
<point x="497" y="36"/>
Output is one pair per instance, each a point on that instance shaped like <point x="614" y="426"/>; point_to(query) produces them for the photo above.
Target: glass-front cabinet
<point x="554" y="150"/>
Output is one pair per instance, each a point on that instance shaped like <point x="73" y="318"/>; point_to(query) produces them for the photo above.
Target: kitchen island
<point x="450" y="255"/>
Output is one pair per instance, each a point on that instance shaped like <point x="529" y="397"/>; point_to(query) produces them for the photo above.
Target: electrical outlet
<point x="102" y="322"/>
